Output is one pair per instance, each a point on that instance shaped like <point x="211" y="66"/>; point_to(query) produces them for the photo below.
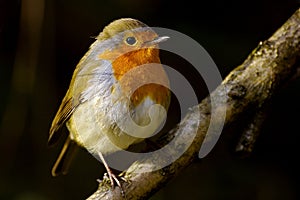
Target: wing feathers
<point x="64" y="112"/>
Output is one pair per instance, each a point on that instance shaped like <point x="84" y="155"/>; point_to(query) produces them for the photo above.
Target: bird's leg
<point x="111" y="176"/>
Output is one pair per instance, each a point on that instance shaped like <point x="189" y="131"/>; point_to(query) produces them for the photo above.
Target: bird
<point x="118" y="95"/>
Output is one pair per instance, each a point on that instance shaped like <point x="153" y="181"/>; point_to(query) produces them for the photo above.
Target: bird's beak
<point x="156" y="40"/>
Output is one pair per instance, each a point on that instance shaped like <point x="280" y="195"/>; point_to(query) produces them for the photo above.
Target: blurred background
<point x="41" y="42"/>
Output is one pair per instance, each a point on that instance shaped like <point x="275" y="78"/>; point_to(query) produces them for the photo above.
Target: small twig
<point x="251" y="132"/>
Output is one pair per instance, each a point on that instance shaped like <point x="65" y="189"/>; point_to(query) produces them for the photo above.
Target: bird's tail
<point x="65" y="158"/>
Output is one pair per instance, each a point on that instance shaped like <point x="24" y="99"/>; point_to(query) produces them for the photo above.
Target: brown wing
<point x="67" y="107"/>
<point x="77" y="93"/>
<point x="64" y="112"/>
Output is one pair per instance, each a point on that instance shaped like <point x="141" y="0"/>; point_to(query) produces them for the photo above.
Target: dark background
<point x="41" y="43"/>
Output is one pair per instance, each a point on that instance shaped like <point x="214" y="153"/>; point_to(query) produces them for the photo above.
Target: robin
<point x="110" y="100"/>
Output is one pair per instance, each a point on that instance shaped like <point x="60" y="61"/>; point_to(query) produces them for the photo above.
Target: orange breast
<point x="141" y="79"/>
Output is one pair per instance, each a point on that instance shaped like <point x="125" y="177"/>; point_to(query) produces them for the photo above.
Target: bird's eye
<point x="130" y="41"/>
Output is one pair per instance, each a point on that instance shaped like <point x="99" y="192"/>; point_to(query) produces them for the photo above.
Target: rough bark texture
<point x="248" y="86"/>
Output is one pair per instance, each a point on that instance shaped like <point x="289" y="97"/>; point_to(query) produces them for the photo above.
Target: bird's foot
<point x="112" y="179"/>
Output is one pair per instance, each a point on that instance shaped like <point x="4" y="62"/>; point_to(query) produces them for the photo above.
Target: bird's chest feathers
<point x="140" y="75"/>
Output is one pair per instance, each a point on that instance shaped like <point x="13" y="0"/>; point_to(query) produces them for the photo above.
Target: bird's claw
<point x="112" y="179"/>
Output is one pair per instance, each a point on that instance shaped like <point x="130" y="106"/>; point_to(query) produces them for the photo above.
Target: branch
<point x="253" y="127"/>
<point x="248" y="86"/>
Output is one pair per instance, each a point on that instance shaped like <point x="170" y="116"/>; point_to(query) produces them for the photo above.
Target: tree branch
<point x="248" y="86"/>
<point x="253" y="127"/>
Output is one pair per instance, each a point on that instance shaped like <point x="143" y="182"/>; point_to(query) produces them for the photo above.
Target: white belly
<point x="96" y="125"/>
